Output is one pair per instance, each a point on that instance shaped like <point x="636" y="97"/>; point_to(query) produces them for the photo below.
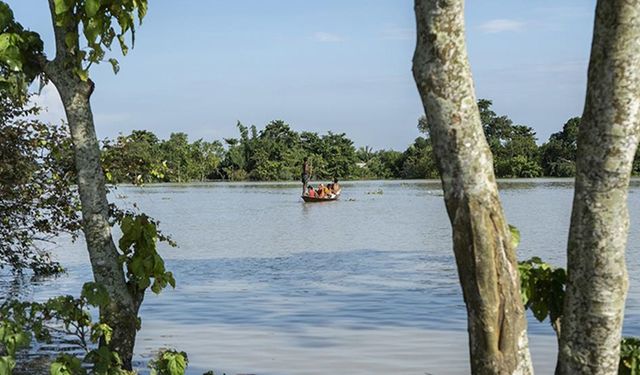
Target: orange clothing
<point x="321" y="193"/>
<point x="312" y="193"/>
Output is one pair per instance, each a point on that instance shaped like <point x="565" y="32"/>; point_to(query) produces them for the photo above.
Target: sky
<point x="199" y="66"/>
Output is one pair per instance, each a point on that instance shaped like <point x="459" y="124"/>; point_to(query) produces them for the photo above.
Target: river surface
<point x="269" y="285"/>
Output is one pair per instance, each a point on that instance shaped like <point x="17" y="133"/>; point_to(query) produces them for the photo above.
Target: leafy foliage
<point x="141" y="158"/>
<point x="20" y="54"/>
<point x="102" y="23"/>
<point x="558" y="155"/>
<point x="140" y="256"/>
<point x="514" y="148"/>
<point x="18" y="320"/>
<point x="418" y="160"/>
<point x="542" y="287"/>
<point x="169" y="362"/>
<point x="133" y="158"/>
<point x="37" y="198"/>
<point x="276" y="153"/>
<point x="629" y="356"/>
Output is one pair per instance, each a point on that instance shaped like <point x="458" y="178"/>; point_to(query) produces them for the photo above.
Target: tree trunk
<point x="122" y="312"/>
<point x="607" y="142"/>
<point x="482" y="245"/>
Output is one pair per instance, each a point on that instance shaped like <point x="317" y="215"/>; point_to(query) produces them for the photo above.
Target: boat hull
<point x="316" y="199"/>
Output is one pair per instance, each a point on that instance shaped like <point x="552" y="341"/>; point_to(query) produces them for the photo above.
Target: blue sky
<point x="201" y="65"/>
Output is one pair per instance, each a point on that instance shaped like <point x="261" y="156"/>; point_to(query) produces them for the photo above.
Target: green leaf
<point x="6" y="15"/>
<point x="114" y="65"/>
<point x="123" y="45"/>
<point x="170" y="279"/>
<point x="177" y="365"/>
<point x="92" y="29"/>
<point x="156" y="287"/>
<point x="7" y="365"/>
<point x="61" y="6"/>
<point x="515" y="236"/>
<point x="83" y="74"/>
<point x="58" y="368"/>
<point x="142" y="9"/>
<point x="67" y="364"/>
<point x="91" y="7"/>
<point x="95" y="294"/>
<point x="101" y="330"/>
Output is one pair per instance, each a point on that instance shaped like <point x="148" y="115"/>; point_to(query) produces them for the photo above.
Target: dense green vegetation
<point x="37" y="200"/>
<point x="276" y="152"/>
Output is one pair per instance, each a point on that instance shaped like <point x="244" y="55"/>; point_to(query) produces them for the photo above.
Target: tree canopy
<point x="276" y="152"/>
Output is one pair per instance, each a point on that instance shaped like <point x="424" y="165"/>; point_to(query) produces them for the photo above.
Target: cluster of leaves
<point x="514" y="148"/>
<point x="96" y="19"/>
<point x="169" y="362"/>
<point x="416" y="162"/>
<point x="276" y="153"/>
<point x="37" y="198"/>
<point x="543" y="291"/>
<point x="21" y="322"/>
<point x="21" y="54"/>
<point x="542" y="288"/>
<point x="558" y="155"/>
<point x="145" y="267"/>
<point x="142" y="158"/>
<point x="629" y="356"/>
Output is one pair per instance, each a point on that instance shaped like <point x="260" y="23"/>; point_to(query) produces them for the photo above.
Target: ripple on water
<point x="367" y="285"/>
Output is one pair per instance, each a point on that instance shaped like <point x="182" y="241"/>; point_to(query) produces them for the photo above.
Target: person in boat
<point x="322" y="191"/>
<point x="306" y="174"/>
<point x="335" y="187"/>
<point x="310" y="192"/>
<point x="327" y="192"/>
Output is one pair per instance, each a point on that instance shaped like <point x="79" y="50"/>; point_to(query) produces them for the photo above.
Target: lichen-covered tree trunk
<point x="607" y="142"/>
<point x="121" y="313"/>
<point x="482" y="244"/>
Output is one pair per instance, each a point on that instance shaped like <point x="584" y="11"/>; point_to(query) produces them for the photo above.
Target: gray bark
<point x="122" y="312"/>
<point x="482" y="245"/>
<point x="607" y="142"/>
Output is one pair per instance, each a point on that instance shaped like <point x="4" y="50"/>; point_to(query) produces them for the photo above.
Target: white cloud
<point x="325" y="37"/>
<point x="398" y="33"/>
<point x="501" y="25"/>
<point x="51" y="104"/>
<point x="52" y="110"/>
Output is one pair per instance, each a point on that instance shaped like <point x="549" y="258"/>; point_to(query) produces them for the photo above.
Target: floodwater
<point x="269" y="285"/>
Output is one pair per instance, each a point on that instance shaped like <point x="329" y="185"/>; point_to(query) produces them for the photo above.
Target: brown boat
<point x="308" y="199"/>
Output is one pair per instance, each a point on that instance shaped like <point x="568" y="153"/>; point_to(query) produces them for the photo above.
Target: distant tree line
<point x="276" y="152"/>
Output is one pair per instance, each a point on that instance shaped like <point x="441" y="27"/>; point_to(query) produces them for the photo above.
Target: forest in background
<point x="275" y="153"/>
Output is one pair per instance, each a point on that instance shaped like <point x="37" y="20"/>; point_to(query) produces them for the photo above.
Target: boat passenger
<point x="322" y="191"/>
<point x="327" y="191"/>
<point x="335" y="187"/>
<point x="311" y="193"/>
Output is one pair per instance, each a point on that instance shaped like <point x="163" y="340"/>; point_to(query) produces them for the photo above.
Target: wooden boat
<point x="308" y="199"/>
